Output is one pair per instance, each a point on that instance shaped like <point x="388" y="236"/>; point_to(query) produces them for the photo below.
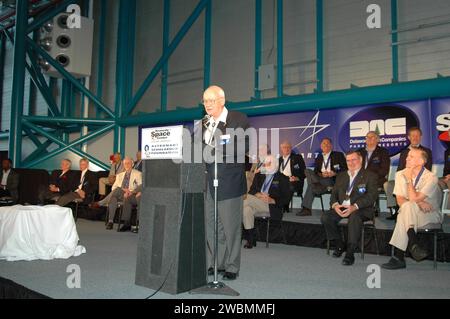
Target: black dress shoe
<point x="394" y="263"/>
<point x="348" y="260"/>
<point x="250" y="244"/>
<point x="211" y="271"/>
<point x="304" y="212"/>
<point x="125" y="228"/>
<point x="338" y="252"/>
<point x="229" y="276"/>
<point x="109" y="226"/>
<point x="134" y="229"/>
<point x="418" y="253"/>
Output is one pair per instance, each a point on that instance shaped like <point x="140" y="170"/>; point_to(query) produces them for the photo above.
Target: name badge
<point x="346" y="202"/>
<point x="225" y="139"/>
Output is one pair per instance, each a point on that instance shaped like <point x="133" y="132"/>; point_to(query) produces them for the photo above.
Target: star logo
<point x="308" y="132"/>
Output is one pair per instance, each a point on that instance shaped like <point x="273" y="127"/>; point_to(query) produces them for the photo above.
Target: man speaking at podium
<point x="219" y="124"/>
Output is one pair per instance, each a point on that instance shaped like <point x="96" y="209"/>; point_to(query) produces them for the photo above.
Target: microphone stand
<point x="215" y="287"/>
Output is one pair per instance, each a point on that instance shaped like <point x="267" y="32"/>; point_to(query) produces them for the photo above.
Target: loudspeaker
<point x="172" y="239"/>
<point x="71" y="47"/>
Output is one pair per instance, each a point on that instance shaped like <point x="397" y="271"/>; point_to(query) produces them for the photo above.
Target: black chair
<point x="328" y="192"/>
<point x="435" y="229"/>
<point x="266" y="218"/>
<point x="367" y="225"/>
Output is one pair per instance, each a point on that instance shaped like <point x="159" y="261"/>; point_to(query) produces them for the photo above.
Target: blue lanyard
<point x="266" y="184"/>
<point x="419" y="176"/>
<point x="350" y="187"/>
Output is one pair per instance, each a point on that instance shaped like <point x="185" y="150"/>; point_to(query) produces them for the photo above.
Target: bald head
<point x="214" y="101"/>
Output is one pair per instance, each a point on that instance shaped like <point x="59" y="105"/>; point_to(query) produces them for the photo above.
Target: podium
<point x="172" y="241"/>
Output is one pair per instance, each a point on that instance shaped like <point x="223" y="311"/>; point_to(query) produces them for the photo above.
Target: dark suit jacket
<point x="379" y="163"/>
<point x="298" y="170"/>
<point x="12" y="184"/>
<point x="90" y="182"/>
<point x="447" y="162"/>
<point x="338" y="162"/>
<point x="66" y="183"/>
<point x="364" y="193"/>
<point x="231" y="175"/>
<point x="404" y="155"/>
<point x="279" y="190"/>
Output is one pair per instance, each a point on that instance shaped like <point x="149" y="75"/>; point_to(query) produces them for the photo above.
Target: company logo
<point x="390" y="122"/>
<point x="160" y="135"/>
<point x="443" y="126"/>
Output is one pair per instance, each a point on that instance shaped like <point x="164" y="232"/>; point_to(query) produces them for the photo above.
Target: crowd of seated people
<point x="355" y="181"/>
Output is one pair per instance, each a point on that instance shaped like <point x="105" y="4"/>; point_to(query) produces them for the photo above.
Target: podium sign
<point x="162" y="142"/>
<point x="172" y="241"/>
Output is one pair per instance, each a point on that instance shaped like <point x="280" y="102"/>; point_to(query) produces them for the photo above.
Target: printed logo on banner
<point x="443" y="125"/>
<point x="390" y="122"/>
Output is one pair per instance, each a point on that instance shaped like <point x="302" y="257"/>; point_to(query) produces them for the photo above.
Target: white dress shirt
<point x="211" y="129"/>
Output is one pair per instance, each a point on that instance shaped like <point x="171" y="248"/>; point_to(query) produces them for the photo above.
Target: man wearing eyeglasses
<point x="353" y="197"/>
<point x="218" y="137"/>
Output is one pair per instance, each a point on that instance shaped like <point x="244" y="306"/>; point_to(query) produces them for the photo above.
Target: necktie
<point x="126" y="180"/>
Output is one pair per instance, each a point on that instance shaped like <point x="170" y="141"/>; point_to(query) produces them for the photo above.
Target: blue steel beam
<point x="15" y="136"/>
<point x="67" y="120"/>
<point x="101" y="52"/>
<point x="394" y="27"/>
<point x="125" y="41"/>
<point x="69" y="77"/>
<point x="163" y="59"/>
<point x="399" y="92"/>
<point x="207" y="44"/>
<point x="71" y="146"/>
<point x="39" y="152"/>
<point x="37" y="78"/>
<point x="39" y="21"/>
<point x="258" y="45"/>
<point x="2" y="69"/>
<point x="280" y="58"/>
<point x="165" y="68"/>
<point x="319" y="45"/>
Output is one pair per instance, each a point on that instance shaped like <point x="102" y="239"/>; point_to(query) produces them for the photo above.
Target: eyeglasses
<point x="209" y="102"/>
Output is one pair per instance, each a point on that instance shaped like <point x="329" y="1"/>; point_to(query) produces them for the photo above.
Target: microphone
<point x="205" y="120"/>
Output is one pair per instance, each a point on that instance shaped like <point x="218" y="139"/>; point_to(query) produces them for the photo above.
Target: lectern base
<point x="215" y="288"/>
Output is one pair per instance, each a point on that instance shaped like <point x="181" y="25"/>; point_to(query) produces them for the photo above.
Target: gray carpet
<point x="280" y="271"/>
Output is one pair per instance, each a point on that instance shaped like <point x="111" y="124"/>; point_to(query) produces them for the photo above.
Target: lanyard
<point x="350" y="186"/>
<point x="267" y="183"/>
<point x="327" y="162"/>
<point x="419" y="176"/>
<point x="284" y="165"/>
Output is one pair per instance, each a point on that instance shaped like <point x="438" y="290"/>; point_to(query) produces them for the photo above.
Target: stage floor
<point x="280" y="271"/>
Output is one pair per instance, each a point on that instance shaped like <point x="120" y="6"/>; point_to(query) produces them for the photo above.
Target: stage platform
<point x="299" y="269"/>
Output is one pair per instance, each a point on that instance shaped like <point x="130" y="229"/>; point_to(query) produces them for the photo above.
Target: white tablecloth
<point x="38" y="232"/>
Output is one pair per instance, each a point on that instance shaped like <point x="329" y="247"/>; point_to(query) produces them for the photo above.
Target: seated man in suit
<point x="62" y="182"/>
<point x="326" y="167"/>
<point x="9" y="181"/>
<point x="353" y="197"/>
<point x="269" y="192"/>
<point x="419" y="197"/>
<point x="376" y="158"/>
<point x="126" y="182"/>
<point x="415" y="140"/>
<point x="263" y="152"/>
<point x="138" y="163"/>
<point x="116" y="168"/>
<point x="87" y="185"/>
<point x="293" y="166"/>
